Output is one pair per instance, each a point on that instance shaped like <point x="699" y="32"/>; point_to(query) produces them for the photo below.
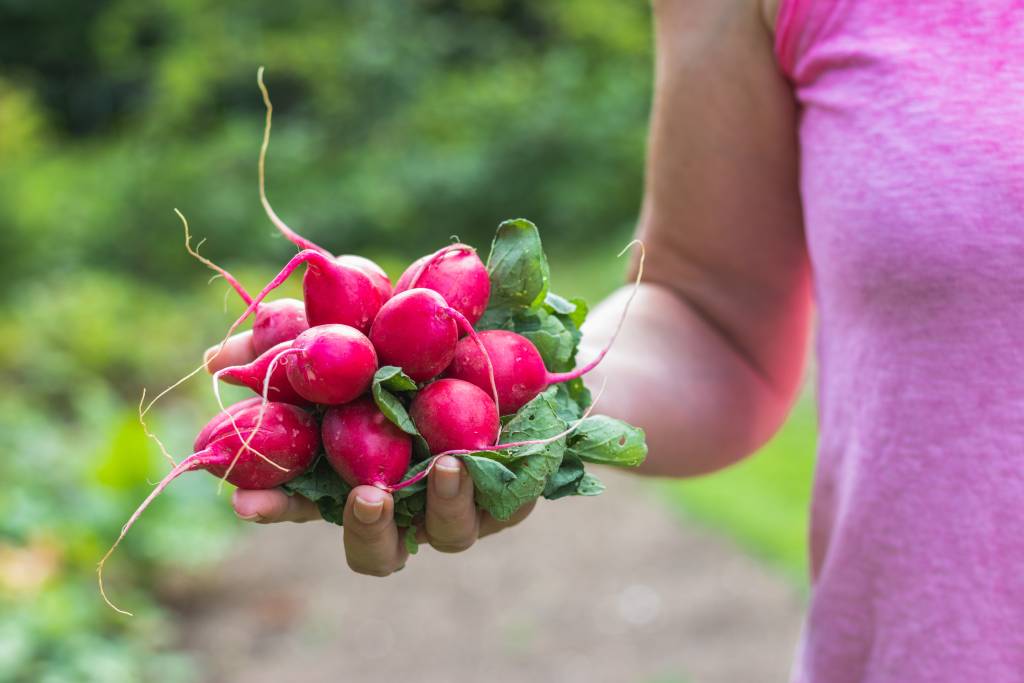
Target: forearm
<point x="702" y="404"/>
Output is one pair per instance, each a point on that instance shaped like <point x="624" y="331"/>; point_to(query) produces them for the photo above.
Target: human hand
<point x="373" y="543"/>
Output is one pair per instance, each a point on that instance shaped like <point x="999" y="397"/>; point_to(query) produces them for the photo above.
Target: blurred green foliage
<point x="397" y="124"/>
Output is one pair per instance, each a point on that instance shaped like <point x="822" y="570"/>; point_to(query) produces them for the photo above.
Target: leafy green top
<point x="505" y="480"/>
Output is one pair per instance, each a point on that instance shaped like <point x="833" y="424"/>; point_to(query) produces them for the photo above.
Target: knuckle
<point x="451" y="515"/>
<point x="369" y="534"/>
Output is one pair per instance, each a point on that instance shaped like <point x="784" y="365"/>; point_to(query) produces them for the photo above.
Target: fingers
<point x="490" y="525"/>
<point x="273" y="505"/>
<point x="372" y="543"/>
<point x="451" y="516"/>
<point x="237" y="350"/>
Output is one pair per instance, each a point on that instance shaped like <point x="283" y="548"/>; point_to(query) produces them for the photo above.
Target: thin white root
<point x="151" y="435"/>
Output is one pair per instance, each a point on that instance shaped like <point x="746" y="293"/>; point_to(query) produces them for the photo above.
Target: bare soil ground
<point x="588" y="589"/>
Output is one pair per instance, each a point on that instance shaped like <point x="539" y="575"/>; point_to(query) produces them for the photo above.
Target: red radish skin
<point x="457" y="274"/>
<point x="336" y="293"/>
<point x="253" y="375"/>
<point x="518" y="370"/>
<point x="452" y="414"/>
<point x="324" y="293"/>
<point x="496" y="447"/>
<point x="334" y="364"/>
<point x="223" y="417"/>
<point x="414" y="331"/>
<point x="417" y="331"/>
<point x="287" y="436"/>
<point x="380" y="279"/>
<point x="363" y="446"/>
<point x="277" y="321"/>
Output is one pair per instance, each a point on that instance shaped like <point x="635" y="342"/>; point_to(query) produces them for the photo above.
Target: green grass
<point x="762" y="501"/>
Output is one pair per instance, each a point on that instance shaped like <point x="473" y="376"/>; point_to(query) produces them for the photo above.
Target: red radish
<point x="452" y="414"/>
<point x="253" y="376"/>
<point x="519" y="371"/>
<point x="457" y="274"/>
<point x="332" y="364"/>
<point x="514" y="364"/>
<point x="336" y="293"/>
<point x="277" y="321"/>
<point x="496" y="447"/>
<point x="266" y="447"/>
<point x="363" y="446"/>
<point x="380" y="279"/>
<point x="223" y="418"/>
<point x="415" y="331"/>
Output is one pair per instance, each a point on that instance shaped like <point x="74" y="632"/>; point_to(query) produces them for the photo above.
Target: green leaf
<point x="392" y="378"/>
<point x="322" y="485"/>
<point x="409" y="538"/>
<point x="579" y="314"/>
<point x="518" y="269"/>
<point x="530" y="465"/>
<point x="487" y="474"/>
<point x="555" y="341"/>
<point x="564" y="482"/>
<point x="589" y="486"/>
<point x="559" y="304"/>
<point x="393" y="409"/>
<point x="605" y="440"/>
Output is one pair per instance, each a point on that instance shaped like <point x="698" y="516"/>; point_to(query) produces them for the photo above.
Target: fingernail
<point x="448" y="478"/>
<point x="255" y="517"/>
<point x="369" y="506"/>
<point x="243" y="511"/>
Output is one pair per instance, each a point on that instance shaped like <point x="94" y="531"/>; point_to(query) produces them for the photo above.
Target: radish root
<point x="189" y="463"/>
<point x="434" y="258"/>
<point x="292" y="236"/>
<point x="556" y="377"/>
<point x="468" y="329"/>
<point x="151" y="435"/>
<point x="231" y="280"/>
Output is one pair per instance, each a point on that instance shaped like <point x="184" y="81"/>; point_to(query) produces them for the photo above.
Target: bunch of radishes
<point x="363" y="382"/>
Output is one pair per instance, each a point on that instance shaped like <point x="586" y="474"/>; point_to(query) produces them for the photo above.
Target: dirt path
<point x="590" y="590"/>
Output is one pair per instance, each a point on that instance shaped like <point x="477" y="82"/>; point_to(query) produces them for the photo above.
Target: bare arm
<point x="711" y="358"/>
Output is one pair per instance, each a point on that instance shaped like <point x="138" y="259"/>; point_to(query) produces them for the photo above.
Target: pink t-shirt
<point x="912" y="174"/>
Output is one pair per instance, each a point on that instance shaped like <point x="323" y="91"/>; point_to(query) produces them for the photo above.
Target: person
<point x="867" y="155"/>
